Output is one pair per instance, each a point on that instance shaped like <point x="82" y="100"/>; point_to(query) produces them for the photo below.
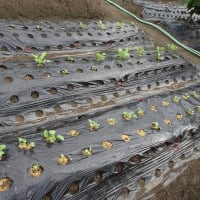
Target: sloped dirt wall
<point x="34" y="9"/>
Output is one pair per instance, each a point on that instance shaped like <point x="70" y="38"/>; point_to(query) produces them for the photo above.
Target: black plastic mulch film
<point x="162" y="98"/>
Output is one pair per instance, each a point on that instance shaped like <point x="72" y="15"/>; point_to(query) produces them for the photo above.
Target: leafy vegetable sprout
<point x="129" y="115"/>
<point x="119" y="25"/>
<point x="64" y="71"/>
<point x="194" y="94"/>
<point x="172" y="48"/>
<point x="87" y="151"/>
<point x="123" y="54"/>
<point x="159" y="51"/>
<point x="140" y="52"/>
<point x="94" y="68"/>
<point x="140" y="112"/>
<point x="24" y="144"/>
<point x="93" y="124"/>
<point x="83" y="26"/>
<point x="190" y="112"/>
<point x="155" y="126"/>
<point x="70" y="59"/>
<point x="36" y="167"/>
<point x="38" y="27"/>
<point x="40" y="59"/>
<point x="100" y="56"/>
<point x="102" y="26"/>
<point x="51" y="137"/>
<point x="2" y="150"/>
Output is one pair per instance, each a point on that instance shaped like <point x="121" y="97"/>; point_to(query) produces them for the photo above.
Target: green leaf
<point x="2" y="147"/>
<point x="60" y="137"/>
<point x="1" y="153"/>
<point x="32" y="144"/>
<point x="46" y="133"/>
<point x="52" y="132"/>
<point x="22" y="140"/>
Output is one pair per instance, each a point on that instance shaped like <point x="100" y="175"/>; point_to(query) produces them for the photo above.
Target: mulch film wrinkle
<point x="126" y="126"/>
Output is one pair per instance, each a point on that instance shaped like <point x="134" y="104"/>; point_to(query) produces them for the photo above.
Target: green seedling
<point x="93" y="68"/>
<point x="64" y="71"/>
<point x="155" y="126"/>
<point x="129" y="115"/>
<point x="102" y="26"/>
<point x="40" y="59"/>
<point x="87" y="151"/>
<point x="172" y="48"/>
<point x="176" y="99"/>
<point x="123" y="54"/>
<point x="100" y="56"/>
<point x="119" y="25"/>
<point x="36" y="167"/>
<point x="194" y="94"/>
<point x="70" y="59"/>
<point x="159" y="51"/>
<point x="197" y="108"/>
<point x="93" y="125"/>
<point x="24" y="144"/>
<point x="140" y="52"/>
<point x="190" y="112"/>
<point x="38" y="27"/>
<point x="2" y="150"/>
<point x="83" y="26"/>
<point x="133" y="24"/>
<point x="140" y="112"/>
<point x="51" y="137"/>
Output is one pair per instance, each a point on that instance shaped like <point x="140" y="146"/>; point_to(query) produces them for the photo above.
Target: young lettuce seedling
<point x="172" y="48"/>
<point x="83" y="26"/>
<point x="140" y="52"/>
<point x="51" y="137"/>
<point x="102" y="26"/>
<point x="123" y="54"/>
<point x="100" y="56"/>
<point x="2" y="150"/>
<point x="159" y="51"/>
<point x="40" y="59"/>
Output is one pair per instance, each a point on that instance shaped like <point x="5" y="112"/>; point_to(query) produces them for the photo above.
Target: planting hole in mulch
<point x="35" y="170"/>
<point x="157" y="173"/>
<point x="47" y="197"/>
<point x="53" y="90"/>
<point x="98" y="177"/>
<point x="34" y="94"/>
<point x="39" y="113"/>
<point x="2" y="68"/>
<point x="57" y="108"/>
<point x="119" y="167"/>
<point x="14" y="99"/>
<point x="8" y="79"/>
<point x="141" y="182"/>
<point x="124" y="192"/>
<point x="171" y="164"/>
<point x="28" y="77"/>
<point x="136" y="159"/>
<point x="19" y="119"/>
<point x="73" y="188"/>
<point x="5" y="184"/>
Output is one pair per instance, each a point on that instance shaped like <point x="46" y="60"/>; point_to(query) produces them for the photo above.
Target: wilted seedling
<point x="93" y="68"/>
<point x="119" y="25"/>
<point x="129" y="115"/>
<point x="51" y="137"/>
<point x="38" y="27"/>
<point x="64" y="71"/>
<point x="2" y="150"/>
<point x="176" y="99"/>
<point x="140" y="52"/>
<point x="186" y="96"/>
<point x="197" y="108"/>
<point x="83" y="26"/>
<point x="123" y="54"/>
<point x="40" y="59"/>
<point x="155" y="126"/>
<point x="179" y="116"/>
<point x="102" y="26"/>
<point x="153" y="108"/>
<point x="107" y="144"/>
<point x="87" y="152"/>
<point x="24" y="144"/>
<point x="172" y="48"/>
<point x="141" y="132"/>
<point x="159" y="51"/>
<point x="165" y="103"/>
<point x="125" y="137"/>
<point x="112" y="121"/>
<point x="140" y="112"/>
<point x="168" y="122"/>
<point x="93" y="125"/>
<point x="73" y="132"/>
<point x="62" y="159"/>
<point x="11" y="26"/>
<point x="100" y="56"/>
<point x="194" y="94"/>
<point x="190" y="112"/>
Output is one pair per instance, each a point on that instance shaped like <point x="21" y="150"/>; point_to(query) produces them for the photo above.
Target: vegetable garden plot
<point x="83" y="123"/>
